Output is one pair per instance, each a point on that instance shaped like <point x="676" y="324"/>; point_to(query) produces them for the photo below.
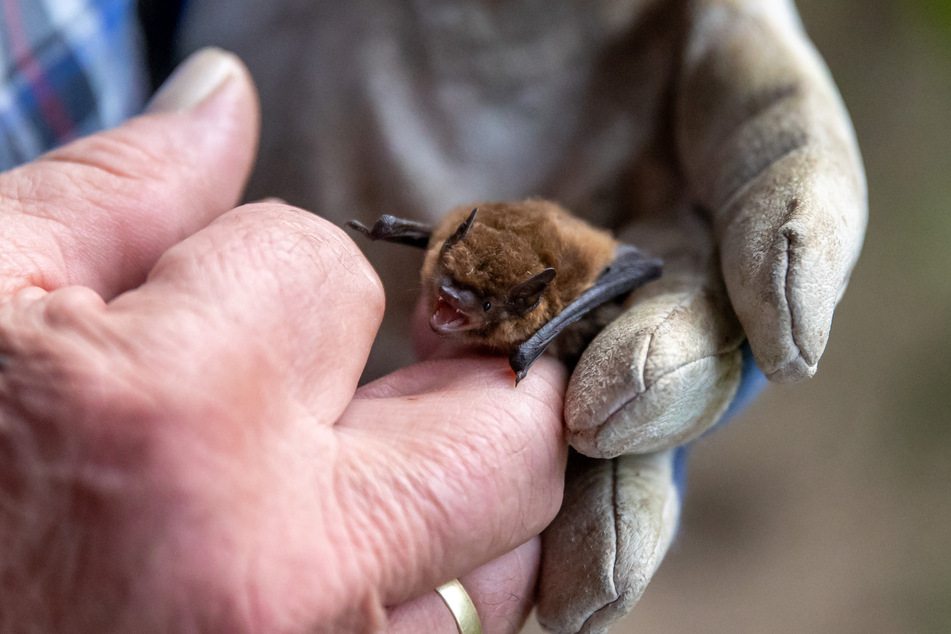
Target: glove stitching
<point x="789" y="235"/>
<point x="594" y="433"/>
<point x="617" y="546"/>
<point x="643" y="374"/>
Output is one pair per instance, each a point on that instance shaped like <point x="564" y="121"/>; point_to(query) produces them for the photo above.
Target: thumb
<point x="101" y="210"/>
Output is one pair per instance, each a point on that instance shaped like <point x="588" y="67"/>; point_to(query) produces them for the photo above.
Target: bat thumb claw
<point x="358" y="226"/>
<point x="520" y="373"/>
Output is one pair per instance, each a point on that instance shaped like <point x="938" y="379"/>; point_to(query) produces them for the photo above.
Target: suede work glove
<point x="759" y="214"/>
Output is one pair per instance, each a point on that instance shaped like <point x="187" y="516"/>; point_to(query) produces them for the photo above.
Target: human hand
<point x="182" y="442"/>
<point x="761" y="145"/>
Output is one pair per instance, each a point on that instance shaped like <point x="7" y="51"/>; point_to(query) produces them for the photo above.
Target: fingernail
<point x="196" y="78"/>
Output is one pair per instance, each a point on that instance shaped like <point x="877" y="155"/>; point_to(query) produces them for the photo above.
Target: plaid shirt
<point x="70" y="68"/>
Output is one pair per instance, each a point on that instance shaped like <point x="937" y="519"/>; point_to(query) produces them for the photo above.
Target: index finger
<point x="446" y="465"/>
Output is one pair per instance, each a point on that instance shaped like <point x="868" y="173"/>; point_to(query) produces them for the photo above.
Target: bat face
<point x="459" y="309"/>
<point x="471" y="292"/>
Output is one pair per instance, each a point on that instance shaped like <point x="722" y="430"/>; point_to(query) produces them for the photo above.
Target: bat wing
<point x="629" y="270"/>
<point x="393" y="229"/>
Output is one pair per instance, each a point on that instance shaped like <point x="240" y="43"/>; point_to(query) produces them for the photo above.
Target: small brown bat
<point x="511" y="277"/>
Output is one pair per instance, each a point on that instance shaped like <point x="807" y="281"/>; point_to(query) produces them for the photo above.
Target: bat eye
<point x="486" y="306"/>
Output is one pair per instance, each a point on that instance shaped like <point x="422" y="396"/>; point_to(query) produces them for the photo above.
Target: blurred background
<point x="827" y="506"/>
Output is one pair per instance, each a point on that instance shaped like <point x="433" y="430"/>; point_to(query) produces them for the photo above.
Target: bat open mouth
<point x="450" y="314"/>
<point x="448" y="319"/>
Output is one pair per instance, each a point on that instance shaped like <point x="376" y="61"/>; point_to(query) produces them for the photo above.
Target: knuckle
<point x="348" y="258"/>
<point x="102" y="167"/>
<point x="131" y="152"/>
<point x="312" y="245"/>
<point x="111" y="163"/>
<point x="71" y="306"/>
<point x="64" y="363"/>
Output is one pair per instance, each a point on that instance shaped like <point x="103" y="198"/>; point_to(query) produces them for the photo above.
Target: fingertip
<point x="364" y="280"/>
<point x="617" y="522"/>
<point x="785" y="295"/>
<point x="197" y="78"/>
<point x="272" y="229"/>
<point x="549" y="370"/>
<point x="214" y="91"/>
<point x="796" y="370"/>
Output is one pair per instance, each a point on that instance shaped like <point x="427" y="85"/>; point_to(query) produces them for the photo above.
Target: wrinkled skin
<point x="183" y="446"/>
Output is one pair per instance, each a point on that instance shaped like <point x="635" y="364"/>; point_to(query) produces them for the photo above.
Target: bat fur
<point x="497" y="275"/>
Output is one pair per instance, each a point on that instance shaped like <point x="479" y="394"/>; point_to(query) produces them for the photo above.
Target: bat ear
<point x="525" y="296"/>
<point x="460" y="233"/>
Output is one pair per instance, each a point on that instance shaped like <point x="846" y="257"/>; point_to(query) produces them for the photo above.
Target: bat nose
<point x="453" y="312"/>
<point x="461" y="299"/>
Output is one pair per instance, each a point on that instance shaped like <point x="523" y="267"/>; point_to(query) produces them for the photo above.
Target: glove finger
<point x="766" y="145"/>
<point x="665" y="370"/>
<point x="617" y="520"/>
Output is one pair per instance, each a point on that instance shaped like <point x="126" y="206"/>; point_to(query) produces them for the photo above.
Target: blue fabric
<point x="69" y="68"/>
<point x="751" y="384"/>
<point x="680" y="470"/>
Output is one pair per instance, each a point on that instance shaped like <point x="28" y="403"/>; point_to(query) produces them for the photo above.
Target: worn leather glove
<point x="758" y="209"/>
<point x="709" y="131"/>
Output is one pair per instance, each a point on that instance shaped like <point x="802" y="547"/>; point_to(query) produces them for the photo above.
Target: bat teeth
<point x="447" y="319"/>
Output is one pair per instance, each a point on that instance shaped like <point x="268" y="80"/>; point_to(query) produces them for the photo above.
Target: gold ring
<point x="463" y="610"/>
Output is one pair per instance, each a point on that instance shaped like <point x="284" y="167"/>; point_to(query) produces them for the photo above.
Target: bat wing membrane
<point x="629" y="270"/>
